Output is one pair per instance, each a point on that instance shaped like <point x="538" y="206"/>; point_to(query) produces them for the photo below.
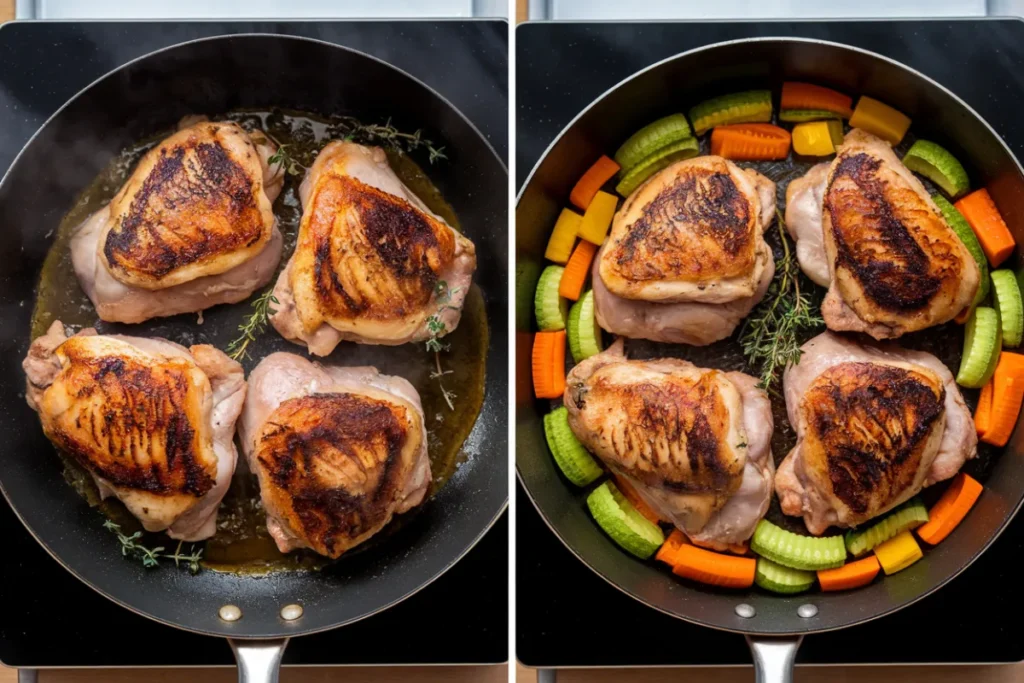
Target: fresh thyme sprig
<point x="771" y="335"/>
<point x="253" y="325"/>
<point x="377" y="134"/>
<point x="438" y="329"/>
<point x="130" y="547"/>
<point x="284" y="159"/>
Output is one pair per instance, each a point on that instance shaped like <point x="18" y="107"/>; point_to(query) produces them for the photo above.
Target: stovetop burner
<point x="565" y="611"/>
<point x="41" y="605"/>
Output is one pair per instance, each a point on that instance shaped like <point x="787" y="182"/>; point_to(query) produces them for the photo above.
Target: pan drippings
<point x="242" y="543"/>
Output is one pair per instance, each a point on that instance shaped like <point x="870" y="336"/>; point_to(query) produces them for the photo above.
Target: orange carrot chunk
<point x="750" y="141"/>
<point x="852" y="575"/>
<point x="593" y="180"/>
<point x="983" y="413"/>
<point x="945" y="515"/>
<point x="1007" y="397"/>
<point x="639" y="503"/>
<point x="575" y="275"/>
<point x="988" y="225"/>
<point x="809" y="96"/>
<point x="715" y="569"/>
<point x="549" y="364"/>
<point x="667" y="551"/>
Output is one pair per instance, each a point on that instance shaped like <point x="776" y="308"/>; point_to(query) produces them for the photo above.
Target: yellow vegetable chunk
<point x="813" y="139"/>
<point x="898" y="553"/>
<point x="598" y="218"/>
<point x="880" y="119"/>
<point x="563" y="237"/>
<point x="835" y="129"/>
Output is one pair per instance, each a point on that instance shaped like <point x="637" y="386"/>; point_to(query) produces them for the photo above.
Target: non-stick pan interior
<point x="675" y="85"/>
<point x="148" y="96"/>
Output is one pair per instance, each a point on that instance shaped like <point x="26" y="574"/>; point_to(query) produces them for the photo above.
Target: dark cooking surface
<point x="40" y="604"/>
<point x="567" y="610"/>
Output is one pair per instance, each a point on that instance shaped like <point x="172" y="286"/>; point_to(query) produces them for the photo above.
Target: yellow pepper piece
<point x="563" y="237"/>
<point x="812" y="139"/>
<point x="835" y="129"/>
<point x="598" y="218"/>
<point x="880" y="119"/>
<point x="898" y="553"/>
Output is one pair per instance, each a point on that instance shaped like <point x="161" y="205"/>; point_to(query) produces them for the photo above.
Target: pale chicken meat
<point x="686" y="258"/>
<point x="338" y="451"/>
<point x="695" y="443"/>
<point x="152" y="422"/>
<point x="191" y="228"/>
<point x="894" y="264"/>
<point x="372" y="264"/>
<point x="875" y="424"/>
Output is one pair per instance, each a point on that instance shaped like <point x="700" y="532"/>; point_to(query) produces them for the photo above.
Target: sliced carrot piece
<point x="548" y="364"/>
<point x="715" y="569"/>
<point x="988" y="225"/>
<point x="983" y="413"/>
<point x="667" y="552"/>
<point x="576" y="270"/>
<point x="596" y="176"/>
<point x="1007" y="398"/>
<point x="953" y="506"/>
<point x="809" y="96"/>
<point x="750" y="141"/>
<point x="639" y="503"/>
<point x="852" y="575"/>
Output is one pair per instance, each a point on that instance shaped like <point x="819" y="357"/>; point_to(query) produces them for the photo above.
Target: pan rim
<point x="297" y="631"/>
<point x="519" y="195"/>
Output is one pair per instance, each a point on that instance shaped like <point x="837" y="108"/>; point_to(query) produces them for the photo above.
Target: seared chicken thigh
<point x="151" y="421"/>
<point x="875" y="424"/>
<point x="190" y="229"/>
<point x="372" y="264"/>
<point x="338" y="451"/>
<point x="686" y="259"/>
<point x="894" y="265"/>
<point x="695" y="443"/>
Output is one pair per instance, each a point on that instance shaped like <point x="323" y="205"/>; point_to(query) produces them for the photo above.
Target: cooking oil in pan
<point x="242" y="543"/>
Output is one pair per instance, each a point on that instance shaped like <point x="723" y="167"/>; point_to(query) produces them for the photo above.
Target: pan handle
<point x="259" y="661"/>
<point x="774" y="658"/>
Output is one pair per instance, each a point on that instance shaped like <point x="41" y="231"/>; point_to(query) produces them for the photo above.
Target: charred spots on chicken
<point x="710" y="205"/>
<point x="195" y="204"/>
<point x="337" y="457"/>
<point x="873" y="243"/>
<point x="872" y="421"/>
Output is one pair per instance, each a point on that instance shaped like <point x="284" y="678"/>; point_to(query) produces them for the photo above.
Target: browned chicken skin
<point x="694" y="442"/>
<point x="192" y="227"/>
<point x="894" y="263"/>
<point x="875" y="424"/>
<point x="337" y="450"/>
<point x="151" y="421"/>
<point x="371" y="260"/>
<point x="686" y="259"/>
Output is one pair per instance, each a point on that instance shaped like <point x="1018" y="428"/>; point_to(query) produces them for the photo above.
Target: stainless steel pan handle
<point x="259" y="661"/>
<point x="774" y="658"/>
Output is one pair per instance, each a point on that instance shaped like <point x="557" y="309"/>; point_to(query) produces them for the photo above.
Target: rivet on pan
<point x="746" y="611"/>
<point x="291" y="612"/>
<point x="807" y="611"/>
<point x="229" y="613"/>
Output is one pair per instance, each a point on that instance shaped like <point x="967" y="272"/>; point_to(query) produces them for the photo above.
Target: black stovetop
<point x="565" y="612"/>
<point x="48" y="618"/>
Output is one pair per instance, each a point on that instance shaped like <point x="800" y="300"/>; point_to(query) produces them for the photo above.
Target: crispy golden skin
<point x="366" y="257"/>
<point x="134" y="420"/>
<point x="194" y="206"/>
<point x="334" y="464"/>
<point x="691" y="233"/>
<point x="868" y="427"/>
<point x="896" y="262"/>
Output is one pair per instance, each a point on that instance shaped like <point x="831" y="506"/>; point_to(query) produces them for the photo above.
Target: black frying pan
<point x="674" y="85"/>
<point x="146" y="97"/>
